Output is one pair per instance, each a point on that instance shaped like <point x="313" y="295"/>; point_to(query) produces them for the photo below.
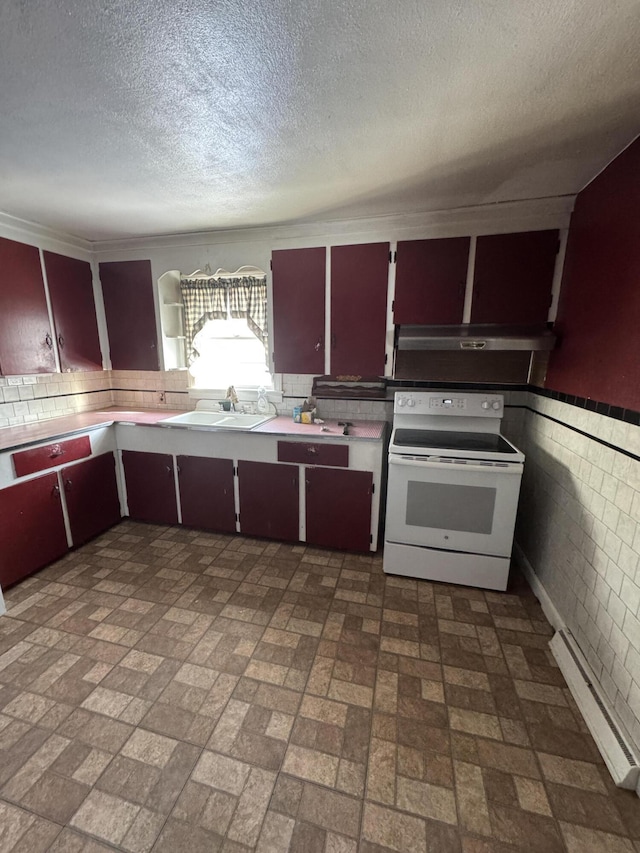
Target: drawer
<point x="314" y="453"/>
<point x="59" y="453"/>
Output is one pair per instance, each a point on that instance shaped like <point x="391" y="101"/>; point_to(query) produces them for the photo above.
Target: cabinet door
<point x="359" y="279"/>
<point x="513" y="277"/>
<point x="26" y="341"/>
<point x="91" y="493"/>
<point x="338" y="508"/>
<point x="269" y="500"/>
<point x="206" y="493"/>
<point x="151" y="488"/>
<point x="31" y="527"/>
<point x="127" y="288"/>
<point x="431" y="278"/>
<point x="74" y="312"/>
<point x="298" y="310"/>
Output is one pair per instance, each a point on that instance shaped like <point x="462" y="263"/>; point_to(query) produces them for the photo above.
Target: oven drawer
<point x="314" y="453"/>
<point x="59" y="453"/>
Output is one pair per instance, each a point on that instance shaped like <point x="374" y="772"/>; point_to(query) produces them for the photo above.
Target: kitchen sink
<point x="216" y="420"/>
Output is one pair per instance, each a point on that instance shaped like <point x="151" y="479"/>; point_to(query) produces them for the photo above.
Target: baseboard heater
<point x="619" y="754"/>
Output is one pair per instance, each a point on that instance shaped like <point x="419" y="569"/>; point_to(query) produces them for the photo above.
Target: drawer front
<point x="314" y="453"/>
<point x="61" y="452"/>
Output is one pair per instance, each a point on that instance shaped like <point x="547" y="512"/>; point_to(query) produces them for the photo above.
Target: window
<point x="229" y="353"/>
<point x="226" y="328"/>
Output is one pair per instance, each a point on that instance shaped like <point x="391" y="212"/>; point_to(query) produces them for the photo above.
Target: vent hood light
<point x="476" y="338"/>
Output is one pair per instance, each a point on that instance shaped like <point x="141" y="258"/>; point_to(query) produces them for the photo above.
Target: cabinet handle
<point x="177" y="469"/>
<point x="169" y="469"/>
<point x="55" y="491"/>
<point x="56" y="451"/>
<point x="48" y="340"/>
<point x="318" y="345"/>
<point x="60" y="341"/>
<point x="68" y="485"/>
<point x="311" y="449"/>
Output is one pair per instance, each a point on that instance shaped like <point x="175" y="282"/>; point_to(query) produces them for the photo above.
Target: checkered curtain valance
<point x="217" y="299"/>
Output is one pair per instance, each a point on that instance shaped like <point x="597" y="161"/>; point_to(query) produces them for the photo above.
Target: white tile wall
<point x="579" y="527"/>
<point x="27" y="399"/>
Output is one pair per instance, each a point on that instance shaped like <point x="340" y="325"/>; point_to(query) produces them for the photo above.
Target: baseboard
<point x="614" y="744"/>
<point x="548" y="607"/>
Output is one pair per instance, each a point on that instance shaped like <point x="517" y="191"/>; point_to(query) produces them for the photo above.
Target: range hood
<point x="475" y="337"/>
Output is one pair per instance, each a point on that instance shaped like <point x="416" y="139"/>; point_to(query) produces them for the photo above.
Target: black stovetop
<point x="452" y="440"/>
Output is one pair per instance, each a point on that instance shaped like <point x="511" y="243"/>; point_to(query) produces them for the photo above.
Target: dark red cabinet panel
<point x="338" y="508"/>
<point x="151" y="490"/>
<point x="31" y="527"/>
<point x="74" y="312"/>
<point x="91" y="493"/>
<point x="206" y="493"/>
<point x="359" y="283"/>
<point x="269" y="500"/>
<point x="127" y="288"/>
<point x="299" y="310"/>
<point x="50" y="455"/>
<point x="431" y="278"/>
<point x="26" y="338"/>
<point x="314" y="453"/>
<point x="513" y="277"/>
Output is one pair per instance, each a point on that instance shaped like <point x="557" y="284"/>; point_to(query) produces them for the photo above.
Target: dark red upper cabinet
<point x="127" y="288"/>
<point x="431" y="278"/>
<point x="513" y="277"/>
<point x="26" y="339"/>
<point x="74" y="312"/>
<point x="359" y="281"/>
<point x="298" y="310"/>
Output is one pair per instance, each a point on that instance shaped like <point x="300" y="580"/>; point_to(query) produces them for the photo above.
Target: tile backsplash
<point x="28" y="399"/>
<point x="579" y="528"/>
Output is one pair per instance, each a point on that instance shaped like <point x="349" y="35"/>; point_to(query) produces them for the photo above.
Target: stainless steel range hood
<point x="475" y="337"/>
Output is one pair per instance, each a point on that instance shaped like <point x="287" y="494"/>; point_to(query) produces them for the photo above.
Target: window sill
<point x="245" y="394"/>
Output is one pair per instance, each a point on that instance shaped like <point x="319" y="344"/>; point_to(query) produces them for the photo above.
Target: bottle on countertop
<point x="263" y="402"/>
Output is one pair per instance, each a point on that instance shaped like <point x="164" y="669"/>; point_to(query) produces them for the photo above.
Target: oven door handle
<point x="456" y="465"/>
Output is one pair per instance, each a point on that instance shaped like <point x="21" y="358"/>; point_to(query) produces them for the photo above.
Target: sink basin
<point x="216" y="420"/>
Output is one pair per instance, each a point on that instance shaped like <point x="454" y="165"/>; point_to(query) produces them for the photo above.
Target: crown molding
<point x="496" y="218"/>
<point x="34" y="234"/>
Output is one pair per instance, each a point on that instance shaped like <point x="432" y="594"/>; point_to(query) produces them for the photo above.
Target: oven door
<point x="452" y="504"/>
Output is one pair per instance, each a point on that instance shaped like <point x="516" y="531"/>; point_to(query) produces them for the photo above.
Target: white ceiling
<point x="140" y="117"/>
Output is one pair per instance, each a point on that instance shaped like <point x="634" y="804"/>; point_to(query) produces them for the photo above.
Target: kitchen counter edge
<point x="24" y="435"/>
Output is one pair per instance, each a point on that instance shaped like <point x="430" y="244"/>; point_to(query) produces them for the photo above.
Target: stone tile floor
<point x="167" y="690"/>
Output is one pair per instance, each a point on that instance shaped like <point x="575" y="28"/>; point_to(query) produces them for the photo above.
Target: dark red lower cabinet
<point x="32" y="529"/>
<point x="338" y="508"/>
<point x="91" y="493"/>
<point x="269" y="500"/>
<point x="206" y="493"/>
<point x="151" y="488"/>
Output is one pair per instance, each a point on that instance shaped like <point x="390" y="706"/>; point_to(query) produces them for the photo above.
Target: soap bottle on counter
<point x="263" y="402"/>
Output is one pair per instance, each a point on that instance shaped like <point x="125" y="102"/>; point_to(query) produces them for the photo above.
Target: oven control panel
<point x="430" y="403"/>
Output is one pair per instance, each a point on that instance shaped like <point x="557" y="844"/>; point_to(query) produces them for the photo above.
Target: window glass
<point x="230" y="354"/>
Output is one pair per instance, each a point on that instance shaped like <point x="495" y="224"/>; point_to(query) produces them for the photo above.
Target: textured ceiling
<point x="136" y="117"/>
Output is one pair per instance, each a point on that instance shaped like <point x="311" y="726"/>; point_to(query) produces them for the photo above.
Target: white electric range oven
<point x="453" y="490"/>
